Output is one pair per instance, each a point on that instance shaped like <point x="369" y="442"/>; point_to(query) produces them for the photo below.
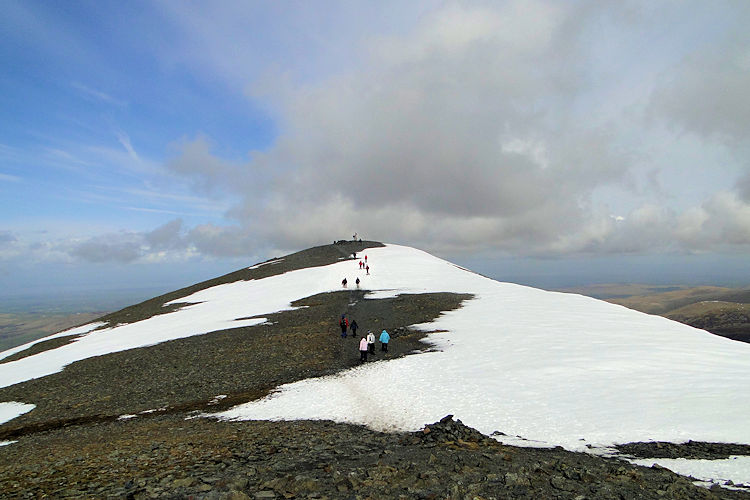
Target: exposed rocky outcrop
<point x="169" y="457"/>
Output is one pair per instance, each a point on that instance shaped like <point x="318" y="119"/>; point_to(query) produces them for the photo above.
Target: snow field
<point x="557" y="369"/>
<point x="551" y="367"/>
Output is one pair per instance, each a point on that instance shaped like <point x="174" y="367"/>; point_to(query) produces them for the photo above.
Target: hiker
<point x="371" y="342"/>
<point x="363" y="349"/>
<point x="361" y="264"/>
<point x="384" y="339"/>
<point x="357" y="282"/>
<point x="353" y="327"/>
<point x="343" y="282"/>
<point x="368" y="270"/>
<point x="344" y="324"/>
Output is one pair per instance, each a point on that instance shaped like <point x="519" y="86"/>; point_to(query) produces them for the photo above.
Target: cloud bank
<point x="514" y="128"/>
<point x="495" y="128"/>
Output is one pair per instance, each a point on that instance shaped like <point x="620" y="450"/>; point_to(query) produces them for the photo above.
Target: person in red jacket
<point x="344" y="324"/>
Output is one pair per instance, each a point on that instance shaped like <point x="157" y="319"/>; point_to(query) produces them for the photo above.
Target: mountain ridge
<point x="158" y="386"/>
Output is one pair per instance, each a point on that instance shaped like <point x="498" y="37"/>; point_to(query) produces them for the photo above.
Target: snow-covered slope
<point x="556" y="369"/>
<point x="548" y="366"/>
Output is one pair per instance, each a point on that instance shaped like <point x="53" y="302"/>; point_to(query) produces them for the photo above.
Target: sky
<point x="155" y="144"/>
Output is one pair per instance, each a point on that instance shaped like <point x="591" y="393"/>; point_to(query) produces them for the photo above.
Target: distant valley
<point x="28" y="317"/>
<point x="19" y="328"/>
<point x="719" y="310"/>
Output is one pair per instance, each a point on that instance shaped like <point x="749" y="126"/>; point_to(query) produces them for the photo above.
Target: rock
<point x="240" y="483"/>
<point x="516" y="479"/>
<point x="235" y="495"/>
<point x="450" y="461"/>
<point x="560" y="483"/>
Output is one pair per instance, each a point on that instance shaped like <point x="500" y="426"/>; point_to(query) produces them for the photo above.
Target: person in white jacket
<point x="363" y="349"/>
<point x="371" y="342"/>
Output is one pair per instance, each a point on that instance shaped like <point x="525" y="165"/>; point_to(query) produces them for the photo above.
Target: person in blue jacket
<point x="384" y="338"/>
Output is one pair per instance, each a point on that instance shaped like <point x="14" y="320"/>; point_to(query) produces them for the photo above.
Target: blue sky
<point x="158" y="143"/>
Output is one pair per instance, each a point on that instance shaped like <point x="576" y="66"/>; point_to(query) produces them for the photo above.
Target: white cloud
<point x="461" y="127"/>
<point x="449" y="135"/>
<point x="120" y="247"/>
<point x="124" y="139"/>
<point x="6" y="237"/>
<point x="707" y="92"/>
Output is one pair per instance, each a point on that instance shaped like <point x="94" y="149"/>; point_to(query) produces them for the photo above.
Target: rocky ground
<point x="728" y="319"/>
<point x="167" y="456"/>
<point x="692" y="449"/>
<point x="125" y="425"/>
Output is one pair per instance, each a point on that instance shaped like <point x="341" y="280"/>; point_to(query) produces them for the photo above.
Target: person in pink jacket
<point x="363" y="349"/>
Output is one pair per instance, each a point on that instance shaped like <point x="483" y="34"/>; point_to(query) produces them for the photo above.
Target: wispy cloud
<point x="124" y="139"/>
<point x="98" y="95"/>
<point x="197" y="202"/>
<point x="161" y="211"/>
<point x="10" y="178"/>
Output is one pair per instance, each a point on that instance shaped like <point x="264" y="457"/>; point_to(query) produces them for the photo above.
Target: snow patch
<point x="270" y="262"/>
<point x="78" y="330"/>
<point x="217" y="399"/>
<point x="12" y="409"/>
<point x="735" y="469"/>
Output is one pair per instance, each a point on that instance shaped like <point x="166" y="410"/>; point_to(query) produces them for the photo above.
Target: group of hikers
<point x="362" y="265"/>
<point x="367" y="342"/>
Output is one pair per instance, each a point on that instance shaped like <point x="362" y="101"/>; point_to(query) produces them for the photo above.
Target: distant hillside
<point x="719" y="310"/>
<point x="17" y="328"/>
